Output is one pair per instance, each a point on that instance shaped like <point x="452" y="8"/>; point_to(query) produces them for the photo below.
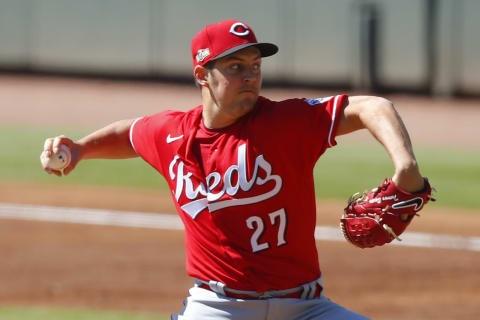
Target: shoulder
<point x="169" y="120"/>
<point x="265" y="102"/>
<point x="302" y="114"/>
<point x="297" y="107"/>
<point x="169" y="117"/>
<point x="278" y="109"/>
<point x="300" y="102"/>
<point x="148" y="134"/>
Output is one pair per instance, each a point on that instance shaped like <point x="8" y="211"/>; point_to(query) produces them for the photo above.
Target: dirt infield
<point x="143" y="269"/>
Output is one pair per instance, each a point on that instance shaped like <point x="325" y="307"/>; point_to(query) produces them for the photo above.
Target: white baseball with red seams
<point x="57" y="161"/>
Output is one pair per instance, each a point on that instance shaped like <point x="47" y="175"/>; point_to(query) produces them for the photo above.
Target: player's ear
<point x="200" y="73"/>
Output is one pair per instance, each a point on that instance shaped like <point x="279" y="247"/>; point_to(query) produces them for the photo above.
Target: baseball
<point x="57" y="161"/>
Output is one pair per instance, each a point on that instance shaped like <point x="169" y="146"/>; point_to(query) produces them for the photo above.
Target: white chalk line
<point x="173" y="222"/>
<point x="90" y="216"/>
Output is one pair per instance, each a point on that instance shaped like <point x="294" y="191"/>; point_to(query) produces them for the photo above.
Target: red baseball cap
<point x="223" y="38"/>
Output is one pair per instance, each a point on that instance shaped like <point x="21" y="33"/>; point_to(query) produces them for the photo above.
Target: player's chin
<point x="248" y="99"/>
<point x="246" y="105"/>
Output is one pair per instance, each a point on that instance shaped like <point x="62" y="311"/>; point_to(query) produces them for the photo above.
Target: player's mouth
<point x="248" y="90"/>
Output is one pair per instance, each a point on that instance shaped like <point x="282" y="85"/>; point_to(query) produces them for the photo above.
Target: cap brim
<point x="266" y="49"/>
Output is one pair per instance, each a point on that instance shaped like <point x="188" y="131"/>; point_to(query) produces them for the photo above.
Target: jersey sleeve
<point x="328" y="114"/>
<point x="145" y="137"/>
<point x="309" y="126"/>
<point x="323" y="124"/>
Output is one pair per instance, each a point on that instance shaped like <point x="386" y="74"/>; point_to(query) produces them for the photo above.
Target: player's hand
<point x="52" y="146"/>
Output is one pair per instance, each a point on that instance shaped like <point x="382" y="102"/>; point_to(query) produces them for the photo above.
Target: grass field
<point x="36" y="313"/>
<point x="345" y="169"/>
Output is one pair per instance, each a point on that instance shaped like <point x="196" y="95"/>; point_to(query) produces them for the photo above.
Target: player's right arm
<point x="110" y="142"/>
<point x="381" y="119"/>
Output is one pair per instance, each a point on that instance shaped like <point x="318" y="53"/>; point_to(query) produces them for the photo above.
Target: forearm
<point x="110" y="142"/>
<point x="380" y="118"/>
<point x="388" y="128"/>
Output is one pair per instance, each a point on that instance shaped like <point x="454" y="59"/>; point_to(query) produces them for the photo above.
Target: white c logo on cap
<point x="246" y="32"/>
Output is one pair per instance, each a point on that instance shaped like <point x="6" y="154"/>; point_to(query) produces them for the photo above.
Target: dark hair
<point x="209" y="65"/>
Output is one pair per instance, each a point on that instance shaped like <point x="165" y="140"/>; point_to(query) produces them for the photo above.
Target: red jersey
<point x="245" y="193"/>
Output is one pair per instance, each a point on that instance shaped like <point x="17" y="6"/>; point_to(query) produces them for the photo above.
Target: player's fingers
<point x="53" y="146"/>
<point x="51" y="171"/>
<point x="57" y="142"/>
<point x="44" y="164"/>
<point x="42" y="156"/>
<point x="56" y="172"/>
<point x="69" y="168"/>
<point x="76" y="151"/>
<point x="47" y="153"/>
<point x="46" y="169"/>
<point x="47" y="147"/>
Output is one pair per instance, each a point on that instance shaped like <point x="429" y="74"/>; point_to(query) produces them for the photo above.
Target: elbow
<point x="363" y="112"/>
<point x="380" y="104"/>
<point x="369" y="105"/>
<point x="378" y="108"/>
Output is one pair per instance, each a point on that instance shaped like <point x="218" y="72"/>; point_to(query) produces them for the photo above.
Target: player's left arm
<point x="379" y="117"/>
<point x="110" y="142"/>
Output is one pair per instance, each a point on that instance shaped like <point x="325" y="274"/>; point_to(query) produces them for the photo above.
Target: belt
<point x="308" y="290"/>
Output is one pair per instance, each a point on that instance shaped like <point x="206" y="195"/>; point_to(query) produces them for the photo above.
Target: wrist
<point x="408" y="178"/>
<point x="81" y="149"/>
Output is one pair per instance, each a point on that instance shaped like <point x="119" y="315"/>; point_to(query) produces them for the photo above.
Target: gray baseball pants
<point x="203" y="304"/>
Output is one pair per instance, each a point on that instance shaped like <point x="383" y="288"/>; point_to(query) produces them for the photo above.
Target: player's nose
<point x="251" y="74"/>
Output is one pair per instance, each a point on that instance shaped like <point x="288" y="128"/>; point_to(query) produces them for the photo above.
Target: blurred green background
<point x="44" y="313"/>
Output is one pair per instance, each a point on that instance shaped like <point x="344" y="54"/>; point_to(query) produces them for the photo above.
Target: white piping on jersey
<point x="131" y="133"/>
<point x="335" y="102"/>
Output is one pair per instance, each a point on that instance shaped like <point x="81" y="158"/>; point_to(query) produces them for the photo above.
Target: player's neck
<point x="213" y="116"/>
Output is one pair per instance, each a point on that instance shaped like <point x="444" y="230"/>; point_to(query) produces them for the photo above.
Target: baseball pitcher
<point x="240" y="168"/>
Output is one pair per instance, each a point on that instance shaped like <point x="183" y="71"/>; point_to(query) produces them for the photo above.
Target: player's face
<point x="235" y="82"/>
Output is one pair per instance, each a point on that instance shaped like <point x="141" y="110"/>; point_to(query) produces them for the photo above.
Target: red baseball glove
<point x="377" y="217"/>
